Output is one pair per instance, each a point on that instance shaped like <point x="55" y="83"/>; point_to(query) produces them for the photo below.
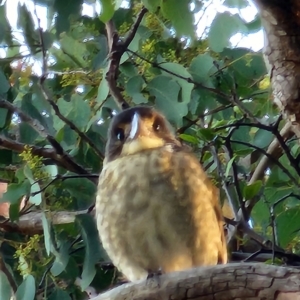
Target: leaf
<point x="5" y="288"/>
<point x="59" y="294"/>
<point x="15" y="192"/>
<point x="26" y="291"/>
<point x="35" y="187"/>
<point x="103" y="91"/>
<point x="252" y="190"/>
<point x="47" y="235"/>
<point x="166" y="92"/>
<point x="229" y="165"/>
<point x="82" y="189"/>
<point x="61" y="258"/>
<point x="100" y="60"/>
<point x="201" y="67"/>
<point x="25" y="22"/>
<point x="151" y="5"/>
<point x="134" y="85"/>
<point x="263" y="138"/>
<point x="189" y="138"/>
<point x="4" y="85"/>
<point x="90" y="238"/>
<point x="3" y="115"/>
<point x="179" y="14"/>
<point x="178" y="69"/>
<point x="107" y="10"/>
<point x="288" y="222"/>
<point x="223" y="27"/>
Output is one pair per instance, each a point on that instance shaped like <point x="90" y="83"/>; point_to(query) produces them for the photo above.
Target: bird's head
<point x="138" y="129"/>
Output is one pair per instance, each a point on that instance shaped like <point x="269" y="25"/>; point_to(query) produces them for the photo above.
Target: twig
<point x="116" y="49"/>
<point x="54" y="105"/>
<point x="51" y="153"/>
<point x="187" y="79"/>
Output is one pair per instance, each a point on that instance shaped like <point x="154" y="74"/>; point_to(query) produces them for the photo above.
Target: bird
<point x="156" y="209"/>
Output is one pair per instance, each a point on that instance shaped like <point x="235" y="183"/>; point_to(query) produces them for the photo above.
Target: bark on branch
<point x="230" y="282"/>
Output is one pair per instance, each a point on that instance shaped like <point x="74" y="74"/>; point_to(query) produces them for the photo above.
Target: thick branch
<point x="230" y="282"/>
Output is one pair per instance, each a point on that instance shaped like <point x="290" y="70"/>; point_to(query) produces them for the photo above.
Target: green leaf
<point x="178" y="69"/>
<point x="166" y="92"/>
<point x="288" y="223"/>
<point x="152" y="5"/>
<point x="15" y="192"/>
<point x="47" y="235"/>
<point x="189" y="138"/>
<point x="107" y="10"/>
<point x="5" y="288"/>
<point x="103" y="91"/>
<point x="223" y="27"/>
<point x="252" y="190"/>
<point x="26" y="291"/>
<point x="100" y="60"/>
<point x="35" y="187"/>
<point x="27" y="134"/>
<point x="81" y="188"/>
<point x="59" y="294"/>
<point x="263" y="138"/>
<point x="90" y="238"/>
<point x="81" y="111"/>
<point x="3" y="115"/>
<point x="4" y="85"/>
<point x="179" y="14"/>
<point x="61" y="258"/>
<point x="25" y="22"/>
<point x="134" y="85"/>
<point x="201" y="67"/>
<point x="229" y="165"/>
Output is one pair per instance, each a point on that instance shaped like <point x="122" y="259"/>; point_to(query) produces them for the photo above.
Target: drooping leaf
<point x="26" y="291"/>
<point x="90" y="237"/>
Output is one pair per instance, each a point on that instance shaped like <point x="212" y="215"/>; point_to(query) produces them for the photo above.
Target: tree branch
<point x="116" y="49"/>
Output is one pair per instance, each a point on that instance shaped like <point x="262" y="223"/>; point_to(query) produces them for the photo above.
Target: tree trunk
<point x="281" y="21"/>
<point x="231" y="281"/>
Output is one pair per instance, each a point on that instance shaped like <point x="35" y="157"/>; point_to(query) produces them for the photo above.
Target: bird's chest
<point x="133" y="183"/>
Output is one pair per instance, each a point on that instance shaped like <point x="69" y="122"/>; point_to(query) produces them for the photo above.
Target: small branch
<point x="54" y="105"/>
<point x="61" y="160"/>
<point x="187" y="79"/>
<point x="116" y="49"/>
<point x="32" y="222"/>
<point x="271" y="159"/>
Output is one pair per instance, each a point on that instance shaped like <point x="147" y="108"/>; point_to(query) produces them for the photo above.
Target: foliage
<point x="56" y="105"/>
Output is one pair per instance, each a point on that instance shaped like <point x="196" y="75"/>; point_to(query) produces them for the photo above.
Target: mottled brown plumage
<point x="156" y="208"/>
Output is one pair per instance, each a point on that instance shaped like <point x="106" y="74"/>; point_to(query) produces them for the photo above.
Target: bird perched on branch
<point x="156" y="209"/>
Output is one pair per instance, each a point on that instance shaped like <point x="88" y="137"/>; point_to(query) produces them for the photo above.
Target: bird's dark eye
<point x="156" y="126"/>
<point x="120" y="134"/>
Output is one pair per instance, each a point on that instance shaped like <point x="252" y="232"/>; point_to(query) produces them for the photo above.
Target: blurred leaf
<point x="4" y="85"/>
<point x="252" y="190"/>
<point x="5" y="288"/>
<point x="179" y="14"/>
<point x="26" y="291"/>
<point x="47" y="235"/>
<point x="223" y="27"/>
<point x="59" y="294"/>
<point x="229" y="165"/>
<point x="61" y="258"/>
<point x="35" y="187"/>
<point x="90" y="237"/>
<point x="189" y="138"/>
<point x="166" y="92"/>
<point x="82" y="189"/>
<point x="263" y="138"/>
<point x="201" y="67"/>
<point x="288" y="222"/>
<point x="107" y="10"/>
<point x="25" y="22"/>
<point x="15" y="192"/>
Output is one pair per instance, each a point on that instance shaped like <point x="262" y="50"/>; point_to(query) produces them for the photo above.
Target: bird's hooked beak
<point x="141" y="136"/>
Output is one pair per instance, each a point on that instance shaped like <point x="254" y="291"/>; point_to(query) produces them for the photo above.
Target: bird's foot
<point x="154" y="276"/>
